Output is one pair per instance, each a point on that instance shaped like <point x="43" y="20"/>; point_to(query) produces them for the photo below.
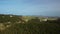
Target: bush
<point x="34" y="28"/>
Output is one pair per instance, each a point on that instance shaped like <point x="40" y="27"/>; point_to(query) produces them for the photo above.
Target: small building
<point x="11" y="16"/>
<point x="43" y="19"/>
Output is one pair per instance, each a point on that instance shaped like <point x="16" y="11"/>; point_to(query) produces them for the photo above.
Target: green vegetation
<point x="33" y="26"/>
<point x="7" y="18"/>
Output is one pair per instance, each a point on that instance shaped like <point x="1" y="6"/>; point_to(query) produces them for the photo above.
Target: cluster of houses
<point x="27" y="18"/>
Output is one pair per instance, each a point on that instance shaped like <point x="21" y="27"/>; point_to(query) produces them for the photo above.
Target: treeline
<point x="9" y="18"/>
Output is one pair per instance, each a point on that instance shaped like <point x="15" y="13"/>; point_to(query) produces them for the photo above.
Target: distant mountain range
<point x="33" y="15"/>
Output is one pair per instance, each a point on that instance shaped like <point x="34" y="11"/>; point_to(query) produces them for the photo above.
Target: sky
<point x="30" y="7"/>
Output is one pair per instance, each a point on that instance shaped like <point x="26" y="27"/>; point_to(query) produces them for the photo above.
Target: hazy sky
<point x="30" y="7"/>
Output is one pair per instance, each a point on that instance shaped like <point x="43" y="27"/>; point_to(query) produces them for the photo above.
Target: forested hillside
<point x="14" y="24"/>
